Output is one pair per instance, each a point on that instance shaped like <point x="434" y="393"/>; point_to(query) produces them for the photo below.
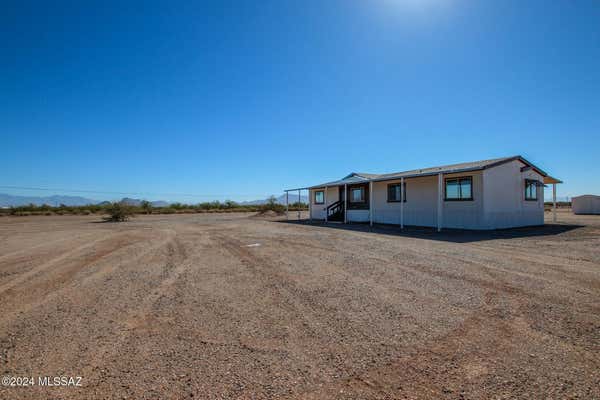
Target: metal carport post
<point x="371" y="203"/>
<point x="440" y="204"/>
<point x="299" y="201"/>
<point x="402" y="203"/>
<point x="325" y="201"/>
<point x="345" y="203"/>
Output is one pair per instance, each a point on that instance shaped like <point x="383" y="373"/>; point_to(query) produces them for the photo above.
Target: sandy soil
<point x="235" y="306"/>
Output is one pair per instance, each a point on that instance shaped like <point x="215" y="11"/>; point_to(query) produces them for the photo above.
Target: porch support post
<point x="287" y="205"/>
<point x="309" y="208"/>
<point x="402" y="203"/>
<point x="371" y="203"/>
<point x="299" y="209"/>
<point x="554" y="202"/>
<point x="439" y="208"/>
<point x="326" y="205"/>
<point x="345" y="203"/>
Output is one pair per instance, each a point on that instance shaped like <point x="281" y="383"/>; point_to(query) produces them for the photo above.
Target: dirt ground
<point x="234" y="306"/>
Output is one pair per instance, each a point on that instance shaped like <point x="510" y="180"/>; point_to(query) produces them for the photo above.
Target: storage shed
<point x="586" y="204"/>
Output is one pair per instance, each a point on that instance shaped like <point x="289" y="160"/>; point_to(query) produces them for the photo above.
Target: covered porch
<point x="359" y="198"/>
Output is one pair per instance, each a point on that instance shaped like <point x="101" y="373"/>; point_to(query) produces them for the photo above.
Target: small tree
<point x="119" y="212"/>
<point x="146" y="206"/>
<point x="230" y="204"/>
<point x="272" y="205"/>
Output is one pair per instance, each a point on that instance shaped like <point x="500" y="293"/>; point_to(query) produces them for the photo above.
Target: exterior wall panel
<point x="420" y="208"/>
<point x="504" y="197"/>
<point x="318" y="210"/>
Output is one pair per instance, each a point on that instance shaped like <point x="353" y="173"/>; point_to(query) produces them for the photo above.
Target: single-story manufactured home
<point x="491" y="194"/>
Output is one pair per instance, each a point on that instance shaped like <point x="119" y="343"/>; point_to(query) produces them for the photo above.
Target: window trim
<point x="315" y="197"/>
<point x="403" y="191"/>
<point x="458" y="178"/>
<point x="534" y="182"/>
<point x="363" y="196"/>
<point x="362" y="205"/>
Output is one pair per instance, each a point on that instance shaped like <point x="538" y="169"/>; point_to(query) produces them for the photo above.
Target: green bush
<point x="146" y="206"/>
<point x="119" y="212"/>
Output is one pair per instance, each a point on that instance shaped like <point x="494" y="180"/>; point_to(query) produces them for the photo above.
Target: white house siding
<point x="318" y="210"/>
<point x="358" y="215"/>
<point x="466" y="214"/>
<point x="498" y="201"/>
<point x="504" y="197"/>
<point x="420" y="208"/>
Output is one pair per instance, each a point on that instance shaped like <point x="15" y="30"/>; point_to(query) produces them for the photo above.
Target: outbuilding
<point x="586" y="204"/>
<point x="490" y="194"/>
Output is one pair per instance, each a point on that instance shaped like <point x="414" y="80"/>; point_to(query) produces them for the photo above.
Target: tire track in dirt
<point x="313" y="320"/>
<point x="139" y="322"/>
<point x="436" y="369"/>
<point x="121" y="332"/>
<point x="64" y="296"/>
<point x="174" y="267"/>
<point x="502" y="318"/>
<point x="272" y="278"/>
<point x="26" y="252"/>
<point x="76" y="253"/>
<point x="57" y="284"/>
<point x="305" y="320"/>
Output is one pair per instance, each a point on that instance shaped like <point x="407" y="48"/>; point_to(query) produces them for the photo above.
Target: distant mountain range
<point x="280" y="200"/>
<point x="138" y="202"/>
<point x="7" y="200"/>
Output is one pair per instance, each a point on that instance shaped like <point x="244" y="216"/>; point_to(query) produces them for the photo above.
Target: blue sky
<point x="241" y="99"/>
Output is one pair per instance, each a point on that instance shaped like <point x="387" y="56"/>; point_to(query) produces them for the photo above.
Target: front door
<point x="342" y="193"/>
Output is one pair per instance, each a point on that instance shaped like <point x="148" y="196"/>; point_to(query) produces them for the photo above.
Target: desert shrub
<point x="179" y="206"/>
<point x="203" y="206"/>
<point x="146" y="206"/>
<point x="272" y="205"/>
<point x="119" y="212"/>
<point x="229" y="204"/>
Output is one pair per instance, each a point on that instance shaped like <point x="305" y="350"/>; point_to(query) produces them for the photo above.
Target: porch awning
<point x="550" y="180"/>
<point x="346" y="181"/>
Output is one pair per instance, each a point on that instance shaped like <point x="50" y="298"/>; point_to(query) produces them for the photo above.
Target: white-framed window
<point x="459" y="189"/>
<point x="319" y="197"/>
<point x="531" y="190"/>
<point x="396" y="192"/>
<point x="357" y="195"/>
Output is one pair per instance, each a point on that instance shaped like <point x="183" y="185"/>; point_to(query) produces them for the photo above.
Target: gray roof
<point x="359" y="177"/>
<point x="350" y="179"/>
<point x="453" y="168"/>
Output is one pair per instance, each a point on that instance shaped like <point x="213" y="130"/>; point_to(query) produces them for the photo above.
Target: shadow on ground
<point x="446" y="235"/>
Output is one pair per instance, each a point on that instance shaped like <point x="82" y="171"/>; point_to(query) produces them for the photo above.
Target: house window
<point x="357" y="195"/>
<point x="459" y="188"/>
<point x="394" y="193"/>
<point x="319" y="197"/>
<point x="530" y="190"/>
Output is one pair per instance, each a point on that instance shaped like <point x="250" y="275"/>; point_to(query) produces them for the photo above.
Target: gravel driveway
<point x="218" y="306"/>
